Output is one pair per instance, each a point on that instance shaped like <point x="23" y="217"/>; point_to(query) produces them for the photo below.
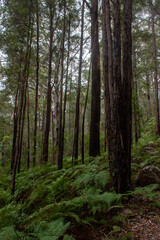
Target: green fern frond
<point x="51" y="231"/>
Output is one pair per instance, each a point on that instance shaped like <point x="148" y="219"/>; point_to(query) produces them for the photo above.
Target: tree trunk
<point x="155" y="73"/>
<point x="61" y="93"/>
<point x="127" y="97"/>
<point x="65" y="96"/>
<point x="49" y="89"/>
<point x="94" y="143"/>
<point x="76" y="128"/>
<point x="15" y="130"/>
<point x="118" y="93"/>
<point x="84" y="115"/>
<point x="37" y="86"/>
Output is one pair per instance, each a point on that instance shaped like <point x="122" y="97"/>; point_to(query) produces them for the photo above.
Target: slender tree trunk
<point x="135" y="103"/>
<point x="56" y="99"/>
<point x="155" y="73"/>
<point x="49" y="89"/>
<point x="84" y="115"/>
<point x="94" y="144"/>
<point x="70" y="106"/>
<point x="37" y="86"/>
<point x="15" y="130"/>
<point x="65" y="95"/>
<point x="108" y="71"/>
<point x="28" y="118"/>
<point x="148" y="95"/>
<point x="61" y="93"/>
<point x="127" y="97"/>
<point x="76" y="128"/>
<point x="53" y="136"/>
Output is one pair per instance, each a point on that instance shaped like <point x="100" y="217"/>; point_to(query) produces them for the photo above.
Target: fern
<point x="4" y="197"/>
<point x="9" y="233"/>
<point x="93" y="178"/>
<point x="146" y="192"/>
<point x="51" y="231"/>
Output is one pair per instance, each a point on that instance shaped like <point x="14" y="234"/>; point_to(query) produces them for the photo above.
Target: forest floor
<point x="79" y="203"/>
<point x="139" y="219"/>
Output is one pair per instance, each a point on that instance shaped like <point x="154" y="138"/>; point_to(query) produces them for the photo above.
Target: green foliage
<point x="50" y="231"/>
<point x="94" y="178"/>
<point x="9" y="233"/>
<point x="148" y="192"/>
<point x="4" y="197"/>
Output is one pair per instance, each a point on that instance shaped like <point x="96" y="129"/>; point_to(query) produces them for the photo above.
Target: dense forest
<point x="79" y="119"/>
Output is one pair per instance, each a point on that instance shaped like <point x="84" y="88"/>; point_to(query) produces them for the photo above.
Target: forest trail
<point x="141" y="216"/>
<point x="146" y="227"/>
<point x="145" y="221"/>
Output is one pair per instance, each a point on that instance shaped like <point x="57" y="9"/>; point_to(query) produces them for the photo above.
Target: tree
<point x="118" y="92"/>
<point x="49" y="89"/>
<point x="37" y="85"/>
<point x="155" y="71"/>
<point x="76" y="128"/>
<point x="94" y="143"/>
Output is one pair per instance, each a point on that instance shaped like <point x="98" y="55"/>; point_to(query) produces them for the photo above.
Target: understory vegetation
<point x="49" y="204"/>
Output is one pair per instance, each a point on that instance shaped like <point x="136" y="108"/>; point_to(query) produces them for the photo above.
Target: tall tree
<point x="61" y="91"/>
<point x="76" y="128"/>
<point x="118" y="90"/>
<point x="49" y="88"/>
<point x="94" y="143"/>
<point x="155" y="70"/>
<point x="37" y="86"/>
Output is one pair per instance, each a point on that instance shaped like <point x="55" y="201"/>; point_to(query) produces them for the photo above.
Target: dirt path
<point x="146" y="228"/>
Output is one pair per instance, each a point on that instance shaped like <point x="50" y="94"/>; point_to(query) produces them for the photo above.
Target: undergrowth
<point x="47" y="202"/>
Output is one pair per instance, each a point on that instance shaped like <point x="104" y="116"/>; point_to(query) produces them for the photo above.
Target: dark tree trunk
<point x="155" y="73"/>
<point x="15" y="130"/>
<point x="65" y="98"/>
<point x="118" y="93"/>
<point x="127" y="97"/>
<point x="148" y="93"/>
<point x="49" y="90"/>
<point x="56" y="100"/>
<point x="84" y="115"/>
<point x="61" y="93"/>
<point x="28" y="120"/>
<point x="37" y="86"/>
<point x="76" y="128"/>
<point x="94" y="144"/>
<point x="107" y="70"/>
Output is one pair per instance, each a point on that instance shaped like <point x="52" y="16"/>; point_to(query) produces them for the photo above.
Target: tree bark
<point x="65" y="95"/>
<point x="49" y="89"/>
<point x="94" y="143"/>
<point x="61" y="92"/>
<point x="76" y="128"/>
<point x="118" y="92"/>
<point x="37" y="86"/>
<point x="84" y="115"/>
<point x="155" y="73"/>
